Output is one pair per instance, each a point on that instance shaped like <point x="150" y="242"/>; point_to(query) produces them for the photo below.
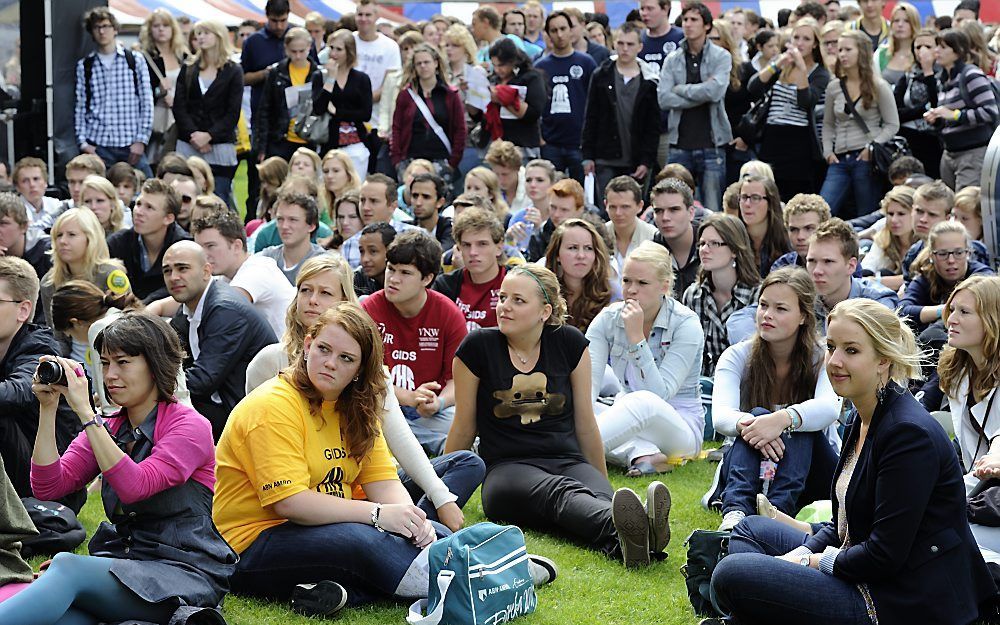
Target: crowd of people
<point x="510" y="256"/>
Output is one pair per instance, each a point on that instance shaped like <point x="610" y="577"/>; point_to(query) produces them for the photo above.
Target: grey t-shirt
<point x="277" y="253"/>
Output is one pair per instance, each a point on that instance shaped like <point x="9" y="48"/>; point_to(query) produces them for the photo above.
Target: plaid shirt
<point x="351" y="249"/>
<point x="698" y="297"/>
<point x="116" y="117"/>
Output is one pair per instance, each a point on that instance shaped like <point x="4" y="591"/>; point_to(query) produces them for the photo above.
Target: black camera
<point x="51" y="372"/>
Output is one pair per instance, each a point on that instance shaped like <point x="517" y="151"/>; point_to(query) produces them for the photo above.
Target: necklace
<point x="523" y="360"/>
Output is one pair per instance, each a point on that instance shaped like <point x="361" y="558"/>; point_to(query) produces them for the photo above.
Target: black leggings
<point x="565" y="496"/>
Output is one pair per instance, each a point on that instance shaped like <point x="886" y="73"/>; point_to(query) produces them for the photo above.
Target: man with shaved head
<point x="221" y="332"/>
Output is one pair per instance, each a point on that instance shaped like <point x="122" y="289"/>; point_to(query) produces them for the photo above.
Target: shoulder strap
<point x="130" y="61"/>
<point x="152" y="65"/>
<point x="980" y="428"/>
<point x="854" y="111"/>
<point x="422" y="107"/>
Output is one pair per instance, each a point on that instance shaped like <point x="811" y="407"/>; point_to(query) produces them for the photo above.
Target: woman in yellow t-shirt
<point x="287" y="462"/>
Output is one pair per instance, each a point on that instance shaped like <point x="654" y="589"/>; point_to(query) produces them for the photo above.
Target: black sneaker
<point x="632" y="525"/>
<point x="658" y="511"/>
<point x="323" y="598"/>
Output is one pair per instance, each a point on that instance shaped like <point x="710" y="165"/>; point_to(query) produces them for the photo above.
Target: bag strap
<point x="980" y="428"/>
<point x="854" y="111"/>
<point x="152" y="65"/>
<point x="436" y="127"/>
<point x="444" y="580"/>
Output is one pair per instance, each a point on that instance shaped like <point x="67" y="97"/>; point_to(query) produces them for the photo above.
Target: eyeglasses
<point x="712" y="245"/>
<point x="753" y="198"/>
<point x="100" y="27"/>
<point x="944" y="254"/>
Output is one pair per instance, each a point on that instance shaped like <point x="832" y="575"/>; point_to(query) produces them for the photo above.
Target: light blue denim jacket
<point x="668" y="364"/>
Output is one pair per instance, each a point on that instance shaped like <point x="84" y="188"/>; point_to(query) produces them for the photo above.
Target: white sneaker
<point x="731" y="520"/>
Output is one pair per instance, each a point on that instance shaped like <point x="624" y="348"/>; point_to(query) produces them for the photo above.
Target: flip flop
<point x="645" y="467"/>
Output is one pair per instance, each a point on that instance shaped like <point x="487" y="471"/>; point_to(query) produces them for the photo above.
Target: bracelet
<point x="796" y="420"/>
<point x="940" y="312"/>
<point x="955" y="116"/>
<point x="634" y="349"/>
<point x="773" y="66"/>
<point x="376" y="510"/>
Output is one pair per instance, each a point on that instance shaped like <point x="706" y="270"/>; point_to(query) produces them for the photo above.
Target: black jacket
<point x="539" y="241"/>
<point x="146" y="285"/>
<point x="271" y="119"/>
<point x="442" y="231"/>
<point x="19" y="406"/>
<point x="40" y="259"/>
<point x="229" y="336"/>
<point x="449" y="284"/>
<point x="526" y="132"/>
<point x="353" y="104"/>
<point x="216" y="111"/>
<point x="601" y="136"/>
<point x="906" y="517"/>
<point x="807" y="99"/>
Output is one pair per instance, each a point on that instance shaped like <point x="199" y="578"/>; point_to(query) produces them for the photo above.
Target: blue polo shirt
<point x="261" y="49"/>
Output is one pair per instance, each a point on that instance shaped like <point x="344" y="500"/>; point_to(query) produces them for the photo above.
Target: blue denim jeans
<point x="471" y="157"/>
<point x="461" y="471"/>
<point x="808" y="457"/>
<point x="755" y="587"/>
<point x="369" y="564"/>
<point x="566" y="159"/>
<point x="851" y="175"/>
<point x="708" y="166"/>
<point x="111" y="155"/>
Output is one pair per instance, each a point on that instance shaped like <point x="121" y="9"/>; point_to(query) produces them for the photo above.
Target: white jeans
<point x="359" y="156"/>
<point x="642" y="423"/>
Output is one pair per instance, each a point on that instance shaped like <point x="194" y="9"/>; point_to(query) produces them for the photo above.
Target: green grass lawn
<point x="590" y="588"/>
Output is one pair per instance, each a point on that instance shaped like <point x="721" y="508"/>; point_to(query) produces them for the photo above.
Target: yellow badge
<point x="118" y="282"/>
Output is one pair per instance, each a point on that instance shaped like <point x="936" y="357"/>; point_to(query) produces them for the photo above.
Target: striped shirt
<point x="978" y="106"/>
<point x="784" y="109"/>
<point x="116" y="117"/>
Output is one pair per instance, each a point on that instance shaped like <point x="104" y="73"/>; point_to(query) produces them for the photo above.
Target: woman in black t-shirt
<point x="545" y="466"/>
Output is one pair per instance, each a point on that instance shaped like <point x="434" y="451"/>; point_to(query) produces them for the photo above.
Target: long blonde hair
<point x="103" y="186"/>
<point x="728" y="43"/>
<point x="360" y="403"/>
<point x="913" y="18"/>
<point x="219" y="55"/>
<point x="489" y="178"/>
<point x="457" y="33"/>
<point x="886" y="240"/>
<point x="955" y="364"/>
<point x="409" y="77"/>
<point x="295" y="330"/>
<point x="177" y="43"/>
<point x="354" y="181"/>
<point x="866" y="66"/>
<point x="890" y="336"/>
<point x="97" y="247"/>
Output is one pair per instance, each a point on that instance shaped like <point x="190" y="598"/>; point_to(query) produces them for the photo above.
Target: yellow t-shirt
<point x="273" y="448"/>
<point x="299" y="77"/>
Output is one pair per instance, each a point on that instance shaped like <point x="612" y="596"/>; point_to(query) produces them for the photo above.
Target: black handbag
<point x="58" y="528"/>
<point x="881" y="154"/>
<point x="705" y="548"/>
<point x="750" y="128"/>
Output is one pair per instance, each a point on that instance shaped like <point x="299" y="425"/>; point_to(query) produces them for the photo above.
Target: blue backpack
<point x="478" y="576"/>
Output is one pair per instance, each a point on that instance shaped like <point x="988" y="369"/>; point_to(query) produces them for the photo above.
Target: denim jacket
<point x="667" y="364"/>
<point x="675" y="95"/>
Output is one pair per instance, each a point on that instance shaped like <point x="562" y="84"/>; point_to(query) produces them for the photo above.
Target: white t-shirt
<point x="375" y="58"/>
<point x="271" y="292"/>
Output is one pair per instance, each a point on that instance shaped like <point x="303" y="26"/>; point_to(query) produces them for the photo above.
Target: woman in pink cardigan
<point x="160" y="559"/>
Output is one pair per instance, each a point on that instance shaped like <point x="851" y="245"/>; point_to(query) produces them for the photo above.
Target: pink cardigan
<point x="182" y="449"/>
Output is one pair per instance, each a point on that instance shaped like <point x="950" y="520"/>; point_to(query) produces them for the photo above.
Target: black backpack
<point x="705" y="548"/>
<point x="88" y="72"/>
<point x="58" y="528"/>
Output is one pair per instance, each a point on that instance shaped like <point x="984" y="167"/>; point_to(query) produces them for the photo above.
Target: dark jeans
<point x="735" y="159"/>
<point x="602" y="176"/>
<point x="755" y="587"/>
<point x="568" y="159"/>
<point x="369" y="564"/>
<point x="708" y="166"/>
<point x="854" y="176"/>
<point x="566" y="496"/>
<point x="461" y="471"/>
<point x="809" y="460"/>
<point x="111" y="155"/>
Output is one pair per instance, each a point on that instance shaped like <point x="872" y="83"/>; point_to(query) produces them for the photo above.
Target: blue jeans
<point x="461" y="471"/>
<point x="755" y="587"/>
<point x="568" y="159"/>
<point x="471" y="157"/>
<point x="808" y="458"/>
<point x="851" y="175"/>
<point x="431" y="431"/>
<point x="708" y="166"/>
<point x="110" y="156"/>
<point x="369" y="564"/>
<point x="224" y="188"/>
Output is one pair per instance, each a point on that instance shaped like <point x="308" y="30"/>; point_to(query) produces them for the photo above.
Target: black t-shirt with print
<point x="525" y="415"/>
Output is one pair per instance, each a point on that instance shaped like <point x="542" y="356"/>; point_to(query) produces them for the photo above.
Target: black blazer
<point x="601" y="136"/>
<point x="229" y="336"/>
<point x="906" y="517"/>
<point x="216" y="111"/>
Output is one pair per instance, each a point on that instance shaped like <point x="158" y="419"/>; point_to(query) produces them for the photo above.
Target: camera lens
<point x="51" y="372"/>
